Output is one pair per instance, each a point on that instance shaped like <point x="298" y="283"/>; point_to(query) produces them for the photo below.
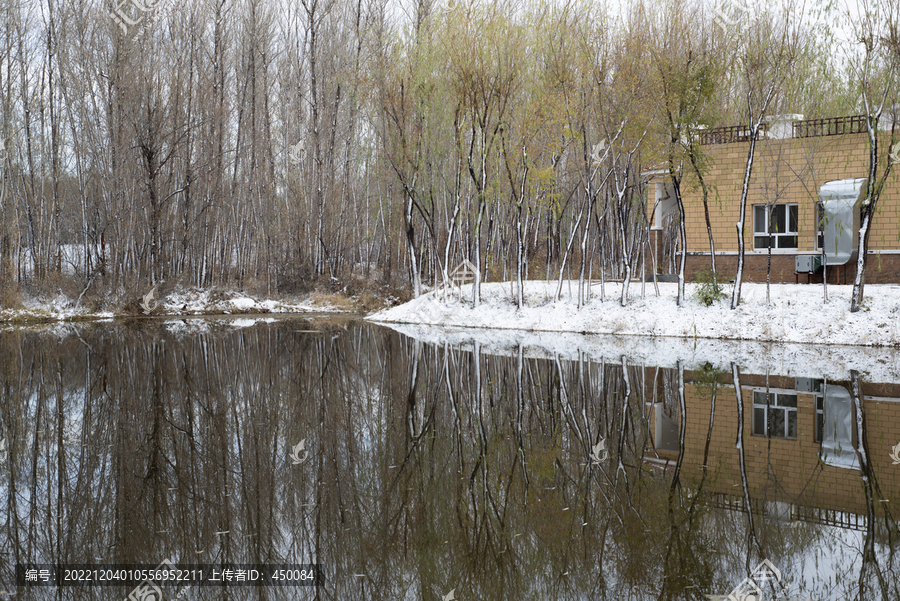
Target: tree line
<point x="277" y="147"/>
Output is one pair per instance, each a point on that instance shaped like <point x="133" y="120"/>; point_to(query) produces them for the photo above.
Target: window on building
<point x="775" y="226"/>
<point x="820" y="225"/>
<point x="774" y="414"/>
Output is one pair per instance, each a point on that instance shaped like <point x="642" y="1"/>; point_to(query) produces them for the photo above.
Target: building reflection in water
<point x="437" y="465"/>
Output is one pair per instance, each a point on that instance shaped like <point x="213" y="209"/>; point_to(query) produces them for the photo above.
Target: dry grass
<point x="331" y="300"/>
<point x="368" y="303"/>
<point x="10" y="297"/>
<point x="359" y="296"/>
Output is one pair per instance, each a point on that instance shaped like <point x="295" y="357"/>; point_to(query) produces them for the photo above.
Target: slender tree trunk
<point x="411" y="245"/>
<point x="739" y="444"/>
<point x="705" y="191"/>
<point x="480" y="191"/>
<point x="626" y="258"/>
<point x="742" y="215"/>
<point x="451" y="228"/>
<point x="682" y="235"/>
<point x="565" y="257"/>
<point x="584" y="254"/>
<point x="875" y="184"/>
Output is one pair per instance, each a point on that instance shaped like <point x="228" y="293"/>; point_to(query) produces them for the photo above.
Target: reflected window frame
<point x="775" y="413"/>
<point x="819" y="434"/>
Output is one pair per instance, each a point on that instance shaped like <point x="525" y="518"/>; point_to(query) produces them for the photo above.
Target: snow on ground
<point x="201" y="302"/>
<point x="774" y="338"/>
<point x="178" y="303"/>
<point x="56" y="308"/>
<point x="797" y="313"/>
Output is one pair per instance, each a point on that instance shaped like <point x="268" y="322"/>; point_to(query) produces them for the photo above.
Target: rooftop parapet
<point x="776" y="127"/>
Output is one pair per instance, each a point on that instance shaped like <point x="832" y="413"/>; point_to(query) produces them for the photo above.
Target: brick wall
<point x="787" y="171"/>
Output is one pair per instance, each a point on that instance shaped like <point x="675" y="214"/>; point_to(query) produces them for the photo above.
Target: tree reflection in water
<point x="430" y="468"/>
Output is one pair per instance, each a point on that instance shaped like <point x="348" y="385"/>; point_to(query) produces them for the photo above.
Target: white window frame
<point x="782" y="236"/>
<point x="775" y="405"/>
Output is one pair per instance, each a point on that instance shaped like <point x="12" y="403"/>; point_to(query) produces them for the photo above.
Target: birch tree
<point x="876" y="70"/>
<point x="627" y="101"/>
<point x="765" y="59"/>
<point x="485" y="76"/>
<point x="410" y="126"/>
<point x="687" y="61"/>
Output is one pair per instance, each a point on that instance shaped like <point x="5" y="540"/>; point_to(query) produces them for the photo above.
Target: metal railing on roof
<point x="829" y="517"/>
<point x="808" y="128"/>
<point x="832" y="126"/>
<point x="729" y="134"/>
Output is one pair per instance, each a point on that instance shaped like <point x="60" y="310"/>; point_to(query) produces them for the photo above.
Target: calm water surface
<point x="431" y="468"/>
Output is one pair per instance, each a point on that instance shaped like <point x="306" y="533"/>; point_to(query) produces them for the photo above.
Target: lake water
<point x="476" y="464"/>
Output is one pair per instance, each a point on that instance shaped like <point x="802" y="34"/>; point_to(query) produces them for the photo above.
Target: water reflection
<point x="432" y="465"/>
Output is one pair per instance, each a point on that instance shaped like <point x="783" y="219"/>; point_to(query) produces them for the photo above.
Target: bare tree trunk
<point x="451" y="228"/>
<point x="565" y="257"/>
<point x="28" y="183"/>
<point x="411" y="245"/>
<point x="875" y="185"/>
<point x="622" y="212"/>
<point x="742" y="215"/>
<point x="682" y="237"/>
<point x="739" y="444"/>
<point x="699" y="174"/>
<point x="479" y="181"/>
<point x="521" y="235"/>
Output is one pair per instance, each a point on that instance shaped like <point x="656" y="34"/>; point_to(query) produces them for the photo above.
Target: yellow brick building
<point x="793" y="160"/>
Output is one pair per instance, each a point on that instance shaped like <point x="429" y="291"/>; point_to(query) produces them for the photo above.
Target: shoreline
<point x="181" y="304"/>
<point x="797" y="313"/>
<point x="793" y="360"/>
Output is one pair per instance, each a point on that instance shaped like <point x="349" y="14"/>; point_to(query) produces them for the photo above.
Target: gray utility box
<point x="807" y="385"/>
<point x="808" y="263"/>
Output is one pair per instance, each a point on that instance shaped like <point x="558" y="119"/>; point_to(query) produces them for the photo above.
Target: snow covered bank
<point x="203" y="302"/>
<point x="178" y="303"/>
<point x="796" y="313"/>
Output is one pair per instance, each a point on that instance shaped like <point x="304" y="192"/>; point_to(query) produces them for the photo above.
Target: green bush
<point x="709" y="288"/>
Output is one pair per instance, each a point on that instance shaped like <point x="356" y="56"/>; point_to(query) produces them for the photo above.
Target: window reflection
<point x="774" y="414"/>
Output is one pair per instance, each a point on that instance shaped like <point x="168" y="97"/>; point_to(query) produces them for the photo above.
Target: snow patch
<point x="180" y="302"/>
<point x="796" y="314"/>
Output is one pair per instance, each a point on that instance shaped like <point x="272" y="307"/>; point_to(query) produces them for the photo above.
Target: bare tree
<point x="766" y="58"/>
<point x="687" y="65"/>
<point x="877" y="73"/>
